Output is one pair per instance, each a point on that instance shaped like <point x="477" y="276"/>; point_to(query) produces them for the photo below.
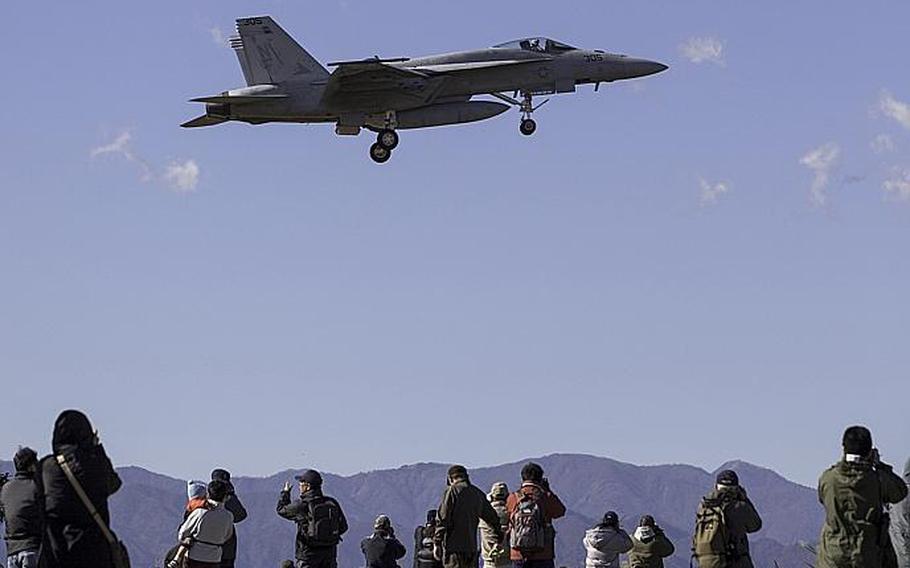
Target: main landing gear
<point x="386" y="140"/>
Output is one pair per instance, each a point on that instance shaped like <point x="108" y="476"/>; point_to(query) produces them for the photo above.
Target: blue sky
<point x="699" y="266"/>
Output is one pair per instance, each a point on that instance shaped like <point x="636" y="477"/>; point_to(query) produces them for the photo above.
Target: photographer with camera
<point x="22" y="510"/>
<point x="382" y="549"/>
<point x="857" y="493"/>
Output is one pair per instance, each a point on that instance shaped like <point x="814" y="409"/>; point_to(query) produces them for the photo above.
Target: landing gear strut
<point x="527" y="126"/>
<point x="526" y="105"/>
<point x="386" y="139"/>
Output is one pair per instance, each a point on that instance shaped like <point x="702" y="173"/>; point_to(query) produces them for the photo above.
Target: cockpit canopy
<point x="538" y="44"/>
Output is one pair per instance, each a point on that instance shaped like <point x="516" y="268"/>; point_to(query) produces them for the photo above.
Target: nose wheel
<point x="527" y="107"/>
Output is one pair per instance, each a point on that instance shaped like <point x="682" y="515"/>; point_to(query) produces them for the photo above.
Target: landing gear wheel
<point x="387" y="138"/>
<point x="379" y="153"/>
<point x="528" y="126"/>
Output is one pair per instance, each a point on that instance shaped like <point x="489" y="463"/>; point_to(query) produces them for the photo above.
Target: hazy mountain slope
<point x="148" y="509"/>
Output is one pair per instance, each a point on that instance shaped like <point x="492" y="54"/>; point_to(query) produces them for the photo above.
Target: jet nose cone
<point x="644" y="67"/>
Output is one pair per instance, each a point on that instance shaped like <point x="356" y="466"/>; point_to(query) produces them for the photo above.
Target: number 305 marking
<point x="594" y="57"/>
<point x="251" y="22"/>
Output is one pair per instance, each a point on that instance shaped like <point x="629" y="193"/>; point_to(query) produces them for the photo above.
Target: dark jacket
<point x="459" y="514"/>
<point x="854" y="495"/>
<point x="73" y="538"/>
<point x="382" y="551"/>
<point x="299" y="512"/>
<point x="552" y="508"/>
<point x="741" y="519"/>
<point x="423" y="547"/>
<point x="650" y="552"/>
<point x="236" y="508"/>
<point x="900" y="526"/>
<point x="21" y="505"/>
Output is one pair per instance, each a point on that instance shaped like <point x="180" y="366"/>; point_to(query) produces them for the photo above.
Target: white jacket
<point x="604" y="545"/>
<point x="209" y="529"/>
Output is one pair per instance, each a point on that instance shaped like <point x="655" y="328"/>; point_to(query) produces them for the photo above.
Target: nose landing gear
<point x="526" y="105"/>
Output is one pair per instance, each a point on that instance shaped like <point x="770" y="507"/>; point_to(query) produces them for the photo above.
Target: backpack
<point x="711" y="544"/>
<point x="529" y="532"/>
<point x="324" y="522"/>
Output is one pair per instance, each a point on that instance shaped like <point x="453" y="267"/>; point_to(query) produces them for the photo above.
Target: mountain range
<point x="148" y="509"/>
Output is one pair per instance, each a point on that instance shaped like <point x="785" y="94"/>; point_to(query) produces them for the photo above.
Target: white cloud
<point x="703" y="50"/>
<point x="218" y="36"/>
<point x="882" y="144"/>
<point x="182" y="177"/>
<point x="711" y="193"/>
<point x="122" y="146"/>
<point x="821" y="160"/>
<point x="898" y="185"/>
<point x="893" y="108"/>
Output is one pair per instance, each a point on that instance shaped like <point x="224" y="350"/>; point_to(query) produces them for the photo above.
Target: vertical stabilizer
<point x="267" y="54"/>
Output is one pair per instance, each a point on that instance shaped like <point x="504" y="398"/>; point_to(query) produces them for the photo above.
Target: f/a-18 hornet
<point x="286" y="84"/>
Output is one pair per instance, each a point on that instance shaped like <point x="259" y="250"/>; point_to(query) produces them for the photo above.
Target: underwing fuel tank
<point x="449" y="113"/>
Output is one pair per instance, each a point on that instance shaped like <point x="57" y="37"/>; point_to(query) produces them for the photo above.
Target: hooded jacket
<point x="853" y="494"/>
<point x="458" y="516"/>
<point x="900" y="526"/>
<point x="21" y="505"/>
<point x="74" y="539"/>
<point x="649" y="550"/>
<point x="604" y="544"/>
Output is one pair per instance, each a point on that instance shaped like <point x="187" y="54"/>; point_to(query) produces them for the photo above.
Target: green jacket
<point x="741" y="519"/>
<point x="651" y="552"/>
<point x="459" y="514"/>
<point x="853" y="494"/>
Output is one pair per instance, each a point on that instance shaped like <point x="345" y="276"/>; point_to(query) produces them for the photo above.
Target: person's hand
<point x="875" y="457"/>
<point x="287" y="487"/>
<point x="545" y="483"/>
<point x="437" y="552"/>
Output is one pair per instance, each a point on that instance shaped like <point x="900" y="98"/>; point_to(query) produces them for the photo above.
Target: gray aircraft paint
<point x="287" y="84"/>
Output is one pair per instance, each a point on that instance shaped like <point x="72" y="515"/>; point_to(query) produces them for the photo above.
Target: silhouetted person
<point x="235" y="507"/>
<point x="424" y="536"/>
<point x="382" y="549"/>
<point x="320" y="521"/>
<point x="74" y="539"/>
<point x="22" y="508"/>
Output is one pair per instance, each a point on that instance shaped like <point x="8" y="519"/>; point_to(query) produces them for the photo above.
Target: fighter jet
<point x="286" y="84"/>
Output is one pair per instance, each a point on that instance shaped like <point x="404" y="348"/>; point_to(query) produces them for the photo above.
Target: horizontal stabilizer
<point x="237" y="99"/>
<point x="204" y="120"/>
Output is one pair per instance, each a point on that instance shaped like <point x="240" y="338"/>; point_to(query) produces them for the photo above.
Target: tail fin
<point x="268" y="54"/>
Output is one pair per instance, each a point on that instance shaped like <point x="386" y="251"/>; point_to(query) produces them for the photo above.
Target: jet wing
<point x="374" y="85"/>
